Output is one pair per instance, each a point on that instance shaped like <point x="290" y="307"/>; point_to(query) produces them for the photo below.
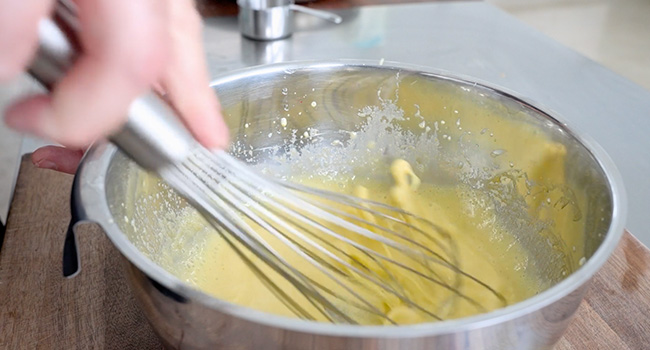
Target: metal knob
<point x="273" y="19"/>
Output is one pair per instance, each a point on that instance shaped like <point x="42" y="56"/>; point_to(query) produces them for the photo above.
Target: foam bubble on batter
<point x="378" y="139"/>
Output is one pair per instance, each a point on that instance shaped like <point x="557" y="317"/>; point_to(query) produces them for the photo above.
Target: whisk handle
<point x="153" y="135"/>
<point x="58" y="46"/>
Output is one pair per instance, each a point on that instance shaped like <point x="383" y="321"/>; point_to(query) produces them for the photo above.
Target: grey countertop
<point x="477" y="40"/>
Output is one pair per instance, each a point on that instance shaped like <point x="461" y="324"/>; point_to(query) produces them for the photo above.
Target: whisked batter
<point x="218" y="269"/>
<point x="485" y="240"/>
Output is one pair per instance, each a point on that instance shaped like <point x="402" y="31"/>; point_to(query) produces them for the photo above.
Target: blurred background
<point x="614" y="33"/>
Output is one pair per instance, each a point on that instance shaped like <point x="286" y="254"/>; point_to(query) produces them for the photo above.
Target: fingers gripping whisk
<point x="329" y="256"/>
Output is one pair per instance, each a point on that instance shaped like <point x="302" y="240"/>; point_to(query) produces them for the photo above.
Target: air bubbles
<point x="417" y="111"/>
<point x="497" y="152"/>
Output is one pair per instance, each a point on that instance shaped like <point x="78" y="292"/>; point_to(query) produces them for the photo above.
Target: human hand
<point x="128" y="48"/>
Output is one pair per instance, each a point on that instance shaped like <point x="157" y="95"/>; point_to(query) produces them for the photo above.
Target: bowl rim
<point x="89" y="194"/>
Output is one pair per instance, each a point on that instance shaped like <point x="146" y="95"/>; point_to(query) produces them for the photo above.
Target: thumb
<point x="57" y="158"/>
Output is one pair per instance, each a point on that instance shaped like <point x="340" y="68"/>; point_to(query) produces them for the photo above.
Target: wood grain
<point x="616" y="311"/>
<point x="40" y="309"/>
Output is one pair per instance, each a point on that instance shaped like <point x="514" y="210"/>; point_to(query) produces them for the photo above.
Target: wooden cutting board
<point x="40" y="309"/>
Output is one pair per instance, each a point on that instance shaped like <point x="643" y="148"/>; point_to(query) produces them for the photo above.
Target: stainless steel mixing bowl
<point x="326" y="99"/>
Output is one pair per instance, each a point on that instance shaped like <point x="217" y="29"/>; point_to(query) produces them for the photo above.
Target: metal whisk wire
<point x="234" y="199"/>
